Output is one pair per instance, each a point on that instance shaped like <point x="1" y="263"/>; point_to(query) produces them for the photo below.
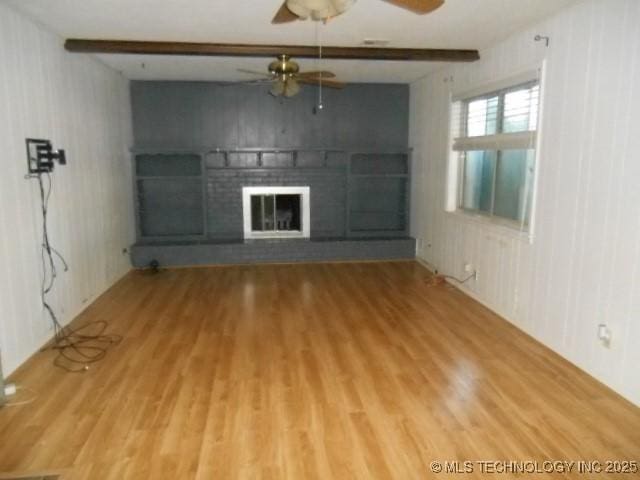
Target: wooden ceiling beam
<point x="244" y="50"/>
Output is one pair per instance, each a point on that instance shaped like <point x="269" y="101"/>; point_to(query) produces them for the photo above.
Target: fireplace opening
<point x="273" y="212"/>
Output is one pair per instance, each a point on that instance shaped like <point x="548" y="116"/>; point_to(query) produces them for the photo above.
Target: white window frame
<point x="530" y="138"/>
<point x="305" y="212"/>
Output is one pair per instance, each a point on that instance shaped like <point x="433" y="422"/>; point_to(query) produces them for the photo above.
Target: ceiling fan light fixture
<point x="319" y="9"/>
<point x="278" y="88"/>
<point x="291" y="88"/>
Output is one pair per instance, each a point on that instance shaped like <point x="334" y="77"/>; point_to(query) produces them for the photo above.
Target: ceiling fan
<point x="286" y="77"/>
<point x="292" y="10"/>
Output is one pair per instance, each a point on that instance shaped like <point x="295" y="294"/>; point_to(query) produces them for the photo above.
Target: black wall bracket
<point x="41" y="156"/>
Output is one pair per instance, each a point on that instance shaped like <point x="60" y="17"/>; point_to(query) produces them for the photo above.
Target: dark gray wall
<point x="198" y="114"/>
<point x="199" y="117"/>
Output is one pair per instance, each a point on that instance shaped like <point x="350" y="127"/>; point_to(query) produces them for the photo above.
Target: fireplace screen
<point x="273" y="212"/>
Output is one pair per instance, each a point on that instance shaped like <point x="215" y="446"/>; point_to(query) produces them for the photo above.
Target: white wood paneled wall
<point x="82" y="106"/>
<point x="583" y="266"/>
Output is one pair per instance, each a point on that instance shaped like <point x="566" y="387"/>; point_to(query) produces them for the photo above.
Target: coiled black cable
<point x="76" y="348"/>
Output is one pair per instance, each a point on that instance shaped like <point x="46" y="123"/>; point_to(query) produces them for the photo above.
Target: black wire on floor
<point x="456" y="279"/>
<point x="440" y="279"/>
<point x="77" y="347"/>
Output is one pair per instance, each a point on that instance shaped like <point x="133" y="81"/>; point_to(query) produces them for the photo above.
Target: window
<point x="495" y="149"/>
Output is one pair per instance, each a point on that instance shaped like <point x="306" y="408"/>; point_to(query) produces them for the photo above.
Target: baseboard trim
<point x="425" y="264"/>
<point x="468" y="292"/>
<point x="511" y="322"/>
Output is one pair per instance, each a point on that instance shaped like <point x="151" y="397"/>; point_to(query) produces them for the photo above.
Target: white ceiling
<point x="474" y="24"/>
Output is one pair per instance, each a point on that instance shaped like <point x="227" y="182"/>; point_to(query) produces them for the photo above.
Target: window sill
<point x="505" y="228"/>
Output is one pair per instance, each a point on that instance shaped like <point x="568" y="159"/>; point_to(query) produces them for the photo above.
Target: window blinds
<point x="501" y="120"/>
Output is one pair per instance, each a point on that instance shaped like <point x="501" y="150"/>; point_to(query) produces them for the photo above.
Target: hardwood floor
<point x="307" y="371"/>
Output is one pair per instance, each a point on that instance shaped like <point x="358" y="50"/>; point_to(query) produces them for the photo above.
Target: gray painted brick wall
<point x="200" y="117"/>
<point x="224" y="198"/>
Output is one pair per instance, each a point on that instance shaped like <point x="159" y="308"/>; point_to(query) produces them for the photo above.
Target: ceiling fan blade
<point x="317" y="74"/>
<point x="254" y="72"/>
<point x="325" y="83"/>
<point x="263" y="81"/>
<point x="418" y="6"/>
<point x="284" y="15"/>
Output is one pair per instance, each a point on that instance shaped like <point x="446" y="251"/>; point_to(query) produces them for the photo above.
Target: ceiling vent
<point x="375" y="42"/>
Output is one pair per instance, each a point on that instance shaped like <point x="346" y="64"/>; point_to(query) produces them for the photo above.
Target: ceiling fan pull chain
<point x="320" y="106"/>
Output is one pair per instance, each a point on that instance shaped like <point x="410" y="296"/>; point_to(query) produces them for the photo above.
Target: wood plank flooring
<point x="307" y="371"/>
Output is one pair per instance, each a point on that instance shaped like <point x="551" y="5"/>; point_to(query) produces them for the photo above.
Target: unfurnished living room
<point x="319" y="239"/>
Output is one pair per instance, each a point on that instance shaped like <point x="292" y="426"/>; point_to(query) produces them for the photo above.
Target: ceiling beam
<point x="243" y="50"/>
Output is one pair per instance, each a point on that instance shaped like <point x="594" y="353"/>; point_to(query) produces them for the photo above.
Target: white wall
<point x="83" y="107"/>
<point x="583" y="265"/>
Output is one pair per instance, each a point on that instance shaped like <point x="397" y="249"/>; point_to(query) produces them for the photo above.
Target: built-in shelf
<point x="378" y="193"/>
<point x="174" y="189"/>
<point x="169" y="195"/>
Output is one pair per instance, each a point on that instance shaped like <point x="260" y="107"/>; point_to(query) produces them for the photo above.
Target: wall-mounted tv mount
<point x="41" y="156"/>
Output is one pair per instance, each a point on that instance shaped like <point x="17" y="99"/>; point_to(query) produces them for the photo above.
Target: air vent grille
<point x="375" y="42"/>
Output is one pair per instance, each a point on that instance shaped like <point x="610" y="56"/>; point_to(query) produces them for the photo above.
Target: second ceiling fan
<point x="292" y="10"/>
<point x="286" y="77"/>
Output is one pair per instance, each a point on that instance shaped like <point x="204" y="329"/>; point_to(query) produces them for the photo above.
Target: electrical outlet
<point x="604" y="334"/>
<point x="468" y="267"/>
<point x="10" y="389"/>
